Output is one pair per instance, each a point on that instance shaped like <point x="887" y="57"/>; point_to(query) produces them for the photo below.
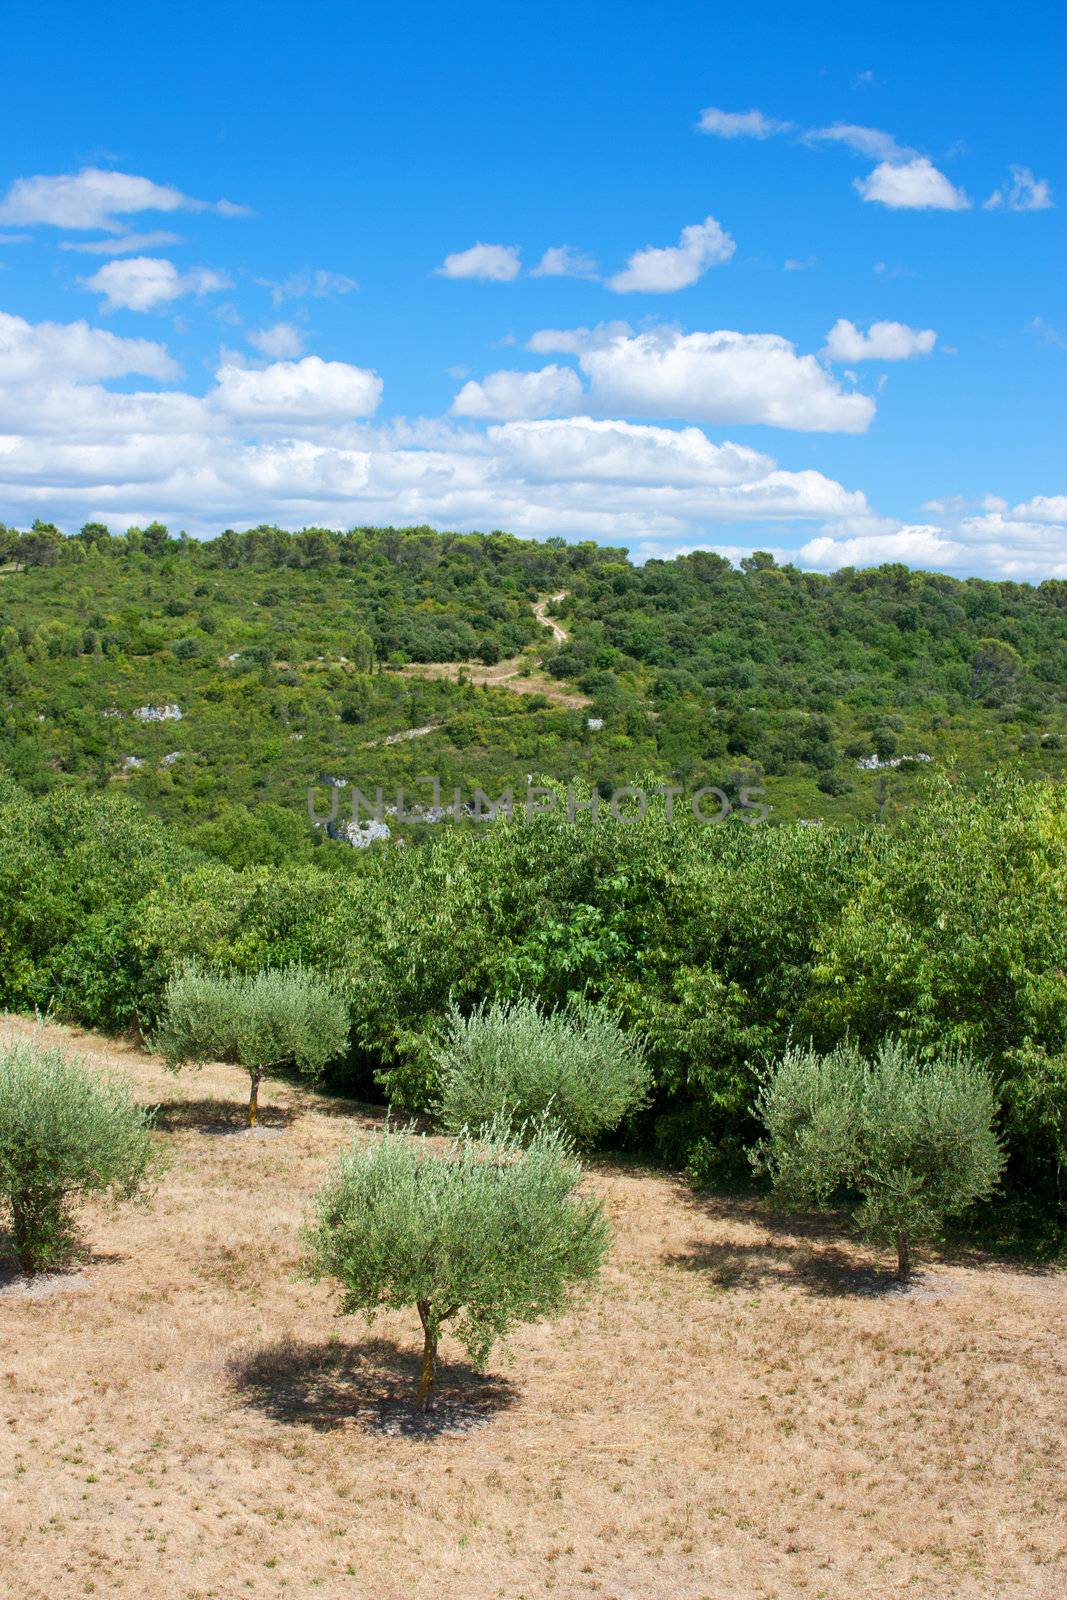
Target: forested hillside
<point x="213" y="677"/>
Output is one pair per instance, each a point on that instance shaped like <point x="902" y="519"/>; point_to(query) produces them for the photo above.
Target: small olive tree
<point x="912" y="1139"/>
<point x="484" y="1236"/>
<point x="284" y="1016"/>
<point x="577" y="1067"/>
<point x="65" y="1134"/>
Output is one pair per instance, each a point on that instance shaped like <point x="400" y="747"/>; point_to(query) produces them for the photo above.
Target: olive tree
<point x="65" y="1134"/>
<point x="910" y="1140"/>
<point x="279" y="1016"/>
<point x="483" y="1236"/>
<point x="576" y="1066"/>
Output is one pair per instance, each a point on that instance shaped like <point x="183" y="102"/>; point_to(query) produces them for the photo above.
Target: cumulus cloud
<point x="36" y="353"/>
<point x="1026" y="193"/>
<point x="562" y="261"/>
<point x="1043" y="508"/>
<point x="722" y="377"/>
<point x="919" y="545"/>
<point x="550" y="391"/>
<point x="143" y="283"/>
<point x="311" y="390"/>
<point x="911" y="186"/>
<point x="494" y="263"/>
<point x="883" y="341"/>
<point x="286" y="443"/>
<point x="576" y="341"/>
<point x="740" y="124"/>
<point x="282" y="340"/>
<point x="871" y="142"/>
<point x="97" y="198"/>
<point x="663" y="270"/>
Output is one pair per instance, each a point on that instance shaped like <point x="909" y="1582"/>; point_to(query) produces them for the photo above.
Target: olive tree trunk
<point x="253" y="1098"/>
<point x="903" y="1256"/>
<point x="424" y="1395"/>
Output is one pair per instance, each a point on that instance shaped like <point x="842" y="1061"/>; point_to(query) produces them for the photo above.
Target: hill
<point x="211" y="678"/>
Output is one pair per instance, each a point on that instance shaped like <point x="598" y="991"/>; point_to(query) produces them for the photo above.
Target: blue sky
<point x="803" y="289"/>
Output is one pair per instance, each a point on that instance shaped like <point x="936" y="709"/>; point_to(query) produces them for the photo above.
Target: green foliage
<point x="64" y="1135"/>
<point x="484" y="1236"/>
<point x="515" y="1062"/>
<point x="271" y="1018"/>
<point x="913" y="1140"/>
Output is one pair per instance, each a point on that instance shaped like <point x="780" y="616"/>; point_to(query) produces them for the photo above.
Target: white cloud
<point x="495" y="263"/>
<point x="126" y="244"/>
<point x="883" y="341"/>
<point x="313" y="282"/>
<point x="95" y="198"/>
<point x="552" y="390"/>
<point x="871" y="142"/>
<point x="918" y="545"/>
<point x="280" y="341"/>
<point x="799" y="264"/>
<point x="561" y="261"/>
<point x="311" y="390"/>
<point x="1043" y="508"/>
<point x="662" y="271"/>
<point x="46" y="352"/>
<point x="722" y="377"/>
<point x="576" y="341"/>
<point x="142" y="283"/>
<point x="911" y="186"/>
<point x="740" y="124"/>
<point x="1027" y="193"/>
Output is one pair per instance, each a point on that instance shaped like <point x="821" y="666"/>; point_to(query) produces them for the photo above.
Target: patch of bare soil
<point x="733" y="1414"/>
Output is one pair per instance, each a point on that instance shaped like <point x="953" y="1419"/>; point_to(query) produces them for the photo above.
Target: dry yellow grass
<point x="726" y="1418"/>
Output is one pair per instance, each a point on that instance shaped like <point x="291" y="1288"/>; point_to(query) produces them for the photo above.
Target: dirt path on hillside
<point x="508" y="674"/>
<point x="559" y="633"/>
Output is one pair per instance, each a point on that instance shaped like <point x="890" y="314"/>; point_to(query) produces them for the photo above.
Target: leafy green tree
<point x="272" y="1018"/>
<point x="575" y="1067"/>
<point x="913" y="1139"/>
<point x="483" y="1236"/>
<point x="65" y="1134"/>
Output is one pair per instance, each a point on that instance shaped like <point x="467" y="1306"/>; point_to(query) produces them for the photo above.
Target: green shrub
<point x="64" y="1134"/>
<point x="576" y="1066"/>
<point x="912" y="1139"/>
<point x="272" y="1018"/>
<point x="484" y="1236"/>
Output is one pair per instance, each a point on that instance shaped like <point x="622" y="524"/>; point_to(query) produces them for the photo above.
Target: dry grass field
<point x="736" y="1412"/>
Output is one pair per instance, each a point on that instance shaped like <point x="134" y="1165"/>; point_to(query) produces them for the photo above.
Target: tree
<point x="276" y="1017"/>
<point x="912" y="1138"/>
<point x="41" y="547"/>
<point x="483" y="1236"/>
<point x="576" y="1067"/>
<point x="64" y="1134"/>
<point x="994" y="665"/>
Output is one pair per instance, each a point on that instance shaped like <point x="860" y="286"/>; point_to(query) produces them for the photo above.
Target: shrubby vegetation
<point x="717" y="945"/>
<point x="514" y="1062"/>
<point x="267" y="1019"/>
<point x="481" y="1237"/>
<point x="913" y="1139"/>
<point x="65" y="1134"/>
<point x="291" y="656"/>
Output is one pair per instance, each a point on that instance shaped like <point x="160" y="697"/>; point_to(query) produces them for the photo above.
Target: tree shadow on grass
<point x="829" y="1272"/>
<point x="216" y="1116"/>
<point x="327" y="1385"/>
